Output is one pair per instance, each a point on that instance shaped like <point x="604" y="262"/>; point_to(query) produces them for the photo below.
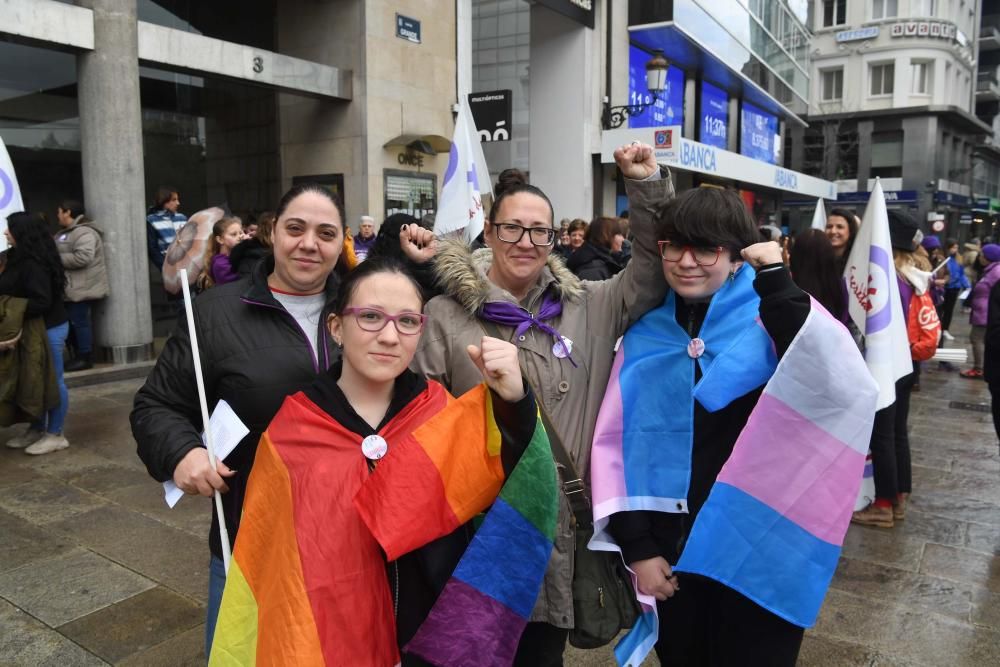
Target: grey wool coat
<point x="594" y="316"/>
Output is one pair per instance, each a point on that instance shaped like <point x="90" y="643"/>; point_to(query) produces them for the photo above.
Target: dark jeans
<point x="948" y="306"/>
<point x="216" y="584"/>
<point x="995" y="404"/>
<point x="890" y="444"/>
<point x="706" y="623"/>
<point x="541" y="645"/>
<point x="79" y="320"/>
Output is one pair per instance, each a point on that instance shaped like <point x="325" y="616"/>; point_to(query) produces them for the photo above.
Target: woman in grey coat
<point x="81" y="250"/>
<point x="565" y="330"/>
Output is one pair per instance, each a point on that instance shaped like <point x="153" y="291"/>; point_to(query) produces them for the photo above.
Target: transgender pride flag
<point x="774" y="523"/>
<point x="466" y="178"/>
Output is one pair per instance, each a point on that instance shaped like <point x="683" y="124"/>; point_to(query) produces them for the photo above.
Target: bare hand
<point x="636" y="161"/>
<point x="417" y="243"/>
<point x="195" y="476"/>
<point x="760" y="255"/>
<point x="497" y="361"/>
<point x="655" y="577"/>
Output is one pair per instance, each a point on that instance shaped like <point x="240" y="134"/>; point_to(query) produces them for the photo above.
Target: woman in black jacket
<point x="34" y="272"/>
<point x="593" y="260"/>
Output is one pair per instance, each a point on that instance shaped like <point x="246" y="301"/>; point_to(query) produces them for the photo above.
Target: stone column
<point x="113" y="185"/>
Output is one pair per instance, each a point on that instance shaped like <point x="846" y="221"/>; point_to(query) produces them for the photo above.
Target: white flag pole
<point x="209" y="440"/>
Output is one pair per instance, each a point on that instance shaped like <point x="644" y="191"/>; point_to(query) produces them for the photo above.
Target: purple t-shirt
<point x="221" y="270"/>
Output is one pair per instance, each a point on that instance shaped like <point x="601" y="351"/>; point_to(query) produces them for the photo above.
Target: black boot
<point x="80" y="363"/>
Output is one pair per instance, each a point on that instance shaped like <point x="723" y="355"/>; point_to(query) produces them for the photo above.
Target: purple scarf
<point x="511" y="315"/>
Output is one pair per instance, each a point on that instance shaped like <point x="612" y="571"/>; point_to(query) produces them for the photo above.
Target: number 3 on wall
<point x="258" y="64"/>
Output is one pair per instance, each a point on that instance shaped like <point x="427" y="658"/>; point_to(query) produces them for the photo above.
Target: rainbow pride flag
<point x="774" y="522"/>
<point x="308" y="585"/>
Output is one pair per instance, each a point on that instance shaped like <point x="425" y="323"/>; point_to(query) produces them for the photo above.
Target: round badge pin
<point x="374" y="447"/>
<point x="560" y="351"/>
<point x="696" y="348"/>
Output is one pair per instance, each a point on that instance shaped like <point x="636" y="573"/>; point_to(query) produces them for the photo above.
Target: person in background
<point x="813" y="265"/>
<point x="577" y="234"/>
<point x="365" y="239"/>
<point x="81" y="251"/>
<point x="593" y="260"/>
<point x="226" y="235"/>
<point x="35" y="272"/>
<point x="250" y="228"/>
<point x="979" y="300"/>
<point x="841" y="229"/>
<point x="163" y="222"/>
<point x="248" y="252"/>
<point x="621" y="246"/>
<point x="973" y="268"/>
<point x="991" y="354"/>
<point x="957" y="283"/>
<point x="930" y="247"/>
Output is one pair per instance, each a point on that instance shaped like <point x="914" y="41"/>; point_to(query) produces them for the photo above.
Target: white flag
<point x="874" y="302"/>
<point x="465" y="179"/>
<point x="10" y="194"/>
<point x="819" y="216"/>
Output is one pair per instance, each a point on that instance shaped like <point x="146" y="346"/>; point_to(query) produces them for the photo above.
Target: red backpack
<point x="923" y="327"/>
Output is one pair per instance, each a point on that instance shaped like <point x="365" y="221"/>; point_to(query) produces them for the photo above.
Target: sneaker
<point x="899" y="507"/>
<point x="49" y="443"/>
<point x="973" y="374"/>
<point x="880" y="517"/>
<point x="947" y="336"/>
<point x="28" y="437"/>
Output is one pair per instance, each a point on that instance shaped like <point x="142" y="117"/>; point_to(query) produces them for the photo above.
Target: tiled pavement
<point x="94" y="568"/>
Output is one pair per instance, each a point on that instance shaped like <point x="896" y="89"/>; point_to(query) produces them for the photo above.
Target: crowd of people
<point x="297" y="316"/>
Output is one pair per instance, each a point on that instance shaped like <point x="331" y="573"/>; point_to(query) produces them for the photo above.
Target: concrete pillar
<point x="562" y="84"/>
<point x="691" y="121"/>
<point x="733" y="126"/>
<point x="113" y="190"/>
<point x="865" y="129"/>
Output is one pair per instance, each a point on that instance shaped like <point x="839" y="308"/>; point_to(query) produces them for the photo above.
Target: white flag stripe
<point x="874" y="302"/>
<point x="465" y="179"/>
<point x="10" y="193"/>
<point x="819" y="216"/>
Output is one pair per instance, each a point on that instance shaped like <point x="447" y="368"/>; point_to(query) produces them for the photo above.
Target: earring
<point x="732" y="274"/>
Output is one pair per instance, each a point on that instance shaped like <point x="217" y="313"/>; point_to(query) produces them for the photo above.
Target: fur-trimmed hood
<point x="461" y="274"/>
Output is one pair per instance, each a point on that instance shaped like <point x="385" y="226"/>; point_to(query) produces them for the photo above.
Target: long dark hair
<point x="815" y="269"/>
<point x="32" y="241"/>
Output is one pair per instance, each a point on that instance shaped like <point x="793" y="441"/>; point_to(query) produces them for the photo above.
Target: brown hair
<point x="602" y="231"/>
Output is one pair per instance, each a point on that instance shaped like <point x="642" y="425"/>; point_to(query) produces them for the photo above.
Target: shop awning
<point x="429" y="144"/>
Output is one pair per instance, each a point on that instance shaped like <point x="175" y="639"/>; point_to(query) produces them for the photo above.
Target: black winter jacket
<point x="253" y="355"/>
<point x="26" y="278"/>
<point x="246" y="255"/>
<point x="592" y="262"/>
<point x="991" y="356"/>
<point x="645" y="534"/>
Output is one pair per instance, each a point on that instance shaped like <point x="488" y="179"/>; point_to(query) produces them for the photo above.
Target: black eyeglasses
<point x="373" y="319"/>
<point x="508" y="232"/>
<point x="671" y="252"/>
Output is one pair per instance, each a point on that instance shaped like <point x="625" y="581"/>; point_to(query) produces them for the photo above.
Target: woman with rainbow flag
<point x="356" y="474"/>
<point x="729" y="447"/>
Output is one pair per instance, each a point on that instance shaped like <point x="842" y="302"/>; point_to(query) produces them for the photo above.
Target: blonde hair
<point x="213" y="248"/>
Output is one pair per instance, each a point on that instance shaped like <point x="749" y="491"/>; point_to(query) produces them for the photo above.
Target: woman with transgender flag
<point x="729" y="447"/>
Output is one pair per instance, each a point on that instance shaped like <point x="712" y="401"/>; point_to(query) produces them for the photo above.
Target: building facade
<point x="893" y="97"/>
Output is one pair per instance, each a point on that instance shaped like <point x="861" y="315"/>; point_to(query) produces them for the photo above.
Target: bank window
<point x="920" y="76"/>
<point x="885" y="9"/>
<point x="881" y="78"/>
<point x="924" y="8"/>
<point x="834" y="12"/>
<point x="833" y="84"/>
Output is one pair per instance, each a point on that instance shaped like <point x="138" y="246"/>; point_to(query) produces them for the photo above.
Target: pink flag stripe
<point x="817" y="470"/>
<point x="607" y="450"/>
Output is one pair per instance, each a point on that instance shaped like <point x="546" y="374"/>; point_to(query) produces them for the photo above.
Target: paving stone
<point x="45" y="502"/>
<point x="23" y="542"/>
<point x="69" y="586"/>
<point x="916" y="591"/>
<point x="192" y="514"/>
<point x="185" y="650"/>
<point x="877" y="545"/>
<point x="66" y="462"/>
<point x="26" y="641"/>
<point x="983" y="538"/>
<point x="953" y="506"/>
<point x="106" y="478"/>
<point x="957" y="564"/>
<point x="930" y="528"/>
<point x="971" y="485"/>
<point x="135" y="624"/>
<point x="12" y="474"/>
<point x="986" y="608"/>
<point x="170" y="556"/>
<point x="894" y="629"/>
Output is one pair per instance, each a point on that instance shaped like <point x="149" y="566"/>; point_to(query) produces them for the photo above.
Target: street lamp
<point x="656" y="83"/>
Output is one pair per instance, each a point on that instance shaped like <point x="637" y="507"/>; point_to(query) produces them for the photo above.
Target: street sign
<point x="407" y="28"/>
